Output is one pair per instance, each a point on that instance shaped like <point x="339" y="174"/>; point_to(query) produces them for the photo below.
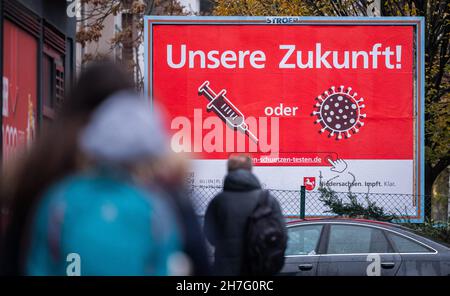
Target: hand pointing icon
<point x="338" y="166"/>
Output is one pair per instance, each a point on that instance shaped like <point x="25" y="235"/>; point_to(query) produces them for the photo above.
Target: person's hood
<point x="241" y="180"/>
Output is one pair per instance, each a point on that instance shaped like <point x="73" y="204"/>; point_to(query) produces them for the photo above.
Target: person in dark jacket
<point x="169" y="177"/>
<point x="227" y="214"/>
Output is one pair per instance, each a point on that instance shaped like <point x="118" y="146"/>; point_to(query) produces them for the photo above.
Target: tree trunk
<point x="127" y="43"/>
<point x="431" y="174"/>
<point x="429" y="180"/>
<point x="448" y="200"/>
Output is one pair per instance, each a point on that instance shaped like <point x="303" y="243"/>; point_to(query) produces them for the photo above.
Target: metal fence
<point x="404" y="206"/>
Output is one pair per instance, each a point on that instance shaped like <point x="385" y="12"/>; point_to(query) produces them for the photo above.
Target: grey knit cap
<point x="124" y="129"/>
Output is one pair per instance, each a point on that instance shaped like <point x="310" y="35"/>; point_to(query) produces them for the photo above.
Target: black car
<point x="358" y="247"/>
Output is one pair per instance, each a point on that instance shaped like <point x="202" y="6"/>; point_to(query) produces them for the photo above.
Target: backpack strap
<point x="262" y="206"/>
<point x="264" y="197"/>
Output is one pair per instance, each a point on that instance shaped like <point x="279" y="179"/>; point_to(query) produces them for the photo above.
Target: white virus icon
<point x="339" y="112"/>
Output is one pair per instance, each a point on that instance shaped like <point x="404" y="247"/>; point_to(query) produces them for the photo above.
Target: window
<point x="48" y="81"/>
<point x="53" y="72"/>
<point x="405" y="245"/>
<point x="303" y="240"/>
<point x="350" y="239"/>
<point x="53" y="82"/>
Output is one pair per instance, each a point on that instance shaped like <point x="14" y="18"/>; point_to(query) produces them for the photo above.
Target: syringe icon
<point x="225" y="109"/>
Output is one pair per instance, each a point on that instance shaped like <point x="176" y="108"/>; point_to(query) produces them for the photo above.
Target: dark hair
<point x="240" y="161"/>
<point x="53" y="156"/>
<point x="96" y="82"/>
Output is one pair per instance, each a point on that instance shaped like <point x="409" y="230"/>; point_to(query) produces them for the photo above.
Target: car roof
<point x="343" y="219"/>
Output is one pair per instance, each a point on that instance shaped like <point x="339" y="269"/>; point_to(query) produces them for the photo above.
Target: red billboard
<point x="335" y="96"/>
<point x="19" y="96"/>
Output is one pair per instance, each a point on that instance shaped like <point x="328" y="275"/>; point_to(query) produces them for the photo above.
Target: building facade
<point x="37" y="63"/>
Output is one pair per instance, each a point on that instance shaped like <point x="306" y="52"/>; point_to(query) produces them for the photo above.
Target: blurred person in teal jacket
<point x="105" y="215"/>
<point x="53" y="156"/>
<point x="113" y="226"/>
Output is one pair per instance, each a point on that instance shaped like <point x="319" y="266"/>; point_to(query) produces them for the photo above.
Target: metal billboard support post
<point x="302" y="201"/>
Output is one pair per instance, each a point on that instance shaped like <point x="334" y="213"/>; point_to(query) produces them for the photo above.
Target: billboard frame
<point x="418" y="24"/>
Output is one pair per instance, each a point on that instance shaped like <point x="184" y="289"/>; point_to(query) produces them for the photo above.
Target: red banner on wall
<point x="20" y="89"/>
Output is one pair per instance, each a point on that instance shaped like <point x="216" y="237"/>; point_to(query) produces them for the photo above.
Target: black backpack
<point x="265" y="240"/>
